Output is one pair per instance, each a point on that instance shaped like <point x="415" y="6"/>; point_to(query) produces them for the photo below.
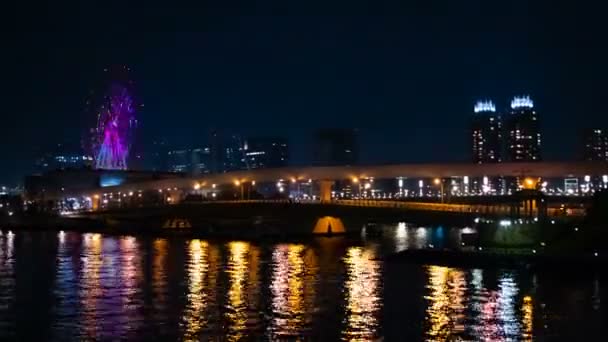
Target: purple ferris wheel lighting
<point x="114" y="125"/>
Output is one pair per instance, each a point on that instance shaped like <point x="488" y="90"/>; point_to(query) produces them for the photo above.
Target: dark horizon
<point x="406" y="75"/>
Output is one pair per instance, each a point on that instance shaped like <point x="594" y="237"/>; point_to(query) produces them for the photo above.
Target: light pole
<point x="439" y="181"/>
<point x="356" y="181"/>
<point x="238" y="184"/>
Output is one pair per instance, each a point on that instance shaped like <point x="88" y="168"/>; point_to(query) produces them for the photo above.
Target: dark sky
<point x="406" y="73"/>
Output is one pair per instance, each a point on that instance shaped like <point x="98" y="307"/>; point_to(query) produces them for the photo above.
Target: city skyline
<point x="406" y="77"/>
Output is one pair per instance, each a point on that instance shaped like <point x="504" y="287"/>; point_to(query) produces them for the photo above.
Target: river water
<point x="65" y="286"/>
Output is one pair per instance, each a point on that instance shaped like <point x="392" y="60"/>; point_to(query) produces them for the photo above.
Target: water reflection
<point x="495" y="312"/>
<point x="317" y="289"/>
<point x="7" y="281"/>
<point x="363" y="302"/>
<point x="91" y="287"/>
<point x="236" y="308"/>
<point x="159" y="279"/>
<point x="193" y="318"/>
<point x="528" y="314"/>
<point x="66" y="288"/>
<point x="401" y="237"/>
<point x="287" y="290"/>
<point x="510" y="325"/>
<point x="438" y="309"/>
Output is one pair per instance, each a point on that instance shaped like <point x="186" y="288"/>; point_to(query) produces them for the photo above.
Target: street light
<point x="238" y="184"/>
<point x="438" y="181"/>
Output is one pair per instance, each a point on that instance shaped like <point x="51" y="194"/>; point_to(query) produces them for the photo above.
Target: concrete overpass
<point x="327" y="175"/>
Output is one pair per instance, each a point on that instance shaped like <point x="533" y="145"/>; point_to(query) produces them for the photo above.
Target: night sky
<point x="406" y="73"/>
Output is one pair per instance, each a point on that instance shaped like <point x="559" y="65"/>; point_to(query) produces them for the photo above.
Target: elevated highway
<point x="443" y="170"/>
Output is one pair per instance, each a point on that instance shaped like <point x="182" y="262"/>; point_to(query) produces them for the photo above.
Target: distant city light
<point x="522" y="102"/>
<point x="484" y="106"/>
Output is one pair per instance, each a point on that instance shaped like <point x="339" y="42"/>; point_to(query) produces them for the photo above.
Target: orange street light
<point x="438" y="181"/>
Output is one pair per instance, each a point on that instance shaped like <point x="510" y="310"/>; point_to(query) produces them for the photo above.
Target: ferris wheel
<point x="115" y="124"/>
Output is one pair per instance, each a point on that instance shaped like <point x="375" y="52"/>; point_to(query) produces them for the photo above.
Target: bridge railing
<point x="481" y="209"/>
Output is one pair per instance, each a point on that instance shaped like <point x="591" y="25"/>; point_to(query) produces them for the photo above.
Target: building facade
<point x="266" y="152"/>
<point x="595" y="145"/>
<point x="226" y="152"/>
<point x="62" y="157"/>
<point x="486" y="133"/>
<point x="523" y="131"/>
<point x="335" y="147"/>
<point x="192" y="161"/>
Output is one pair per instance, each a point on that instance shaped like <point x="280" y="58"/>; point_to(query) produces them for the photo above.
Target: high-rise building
<point x="63" y="156"/>
<point x="486" y="130"/>
<point x="266" y="152"/>
<point x="595" y="145"/>
<point x="233" y="153"/>
<point x="191" y="161"/>
<point x="523" y="131"/>
<point x="335" y="146"/>
<point x="216" y="147"/>
<point x="156" y="155"/>
<point x="226" y="152"/>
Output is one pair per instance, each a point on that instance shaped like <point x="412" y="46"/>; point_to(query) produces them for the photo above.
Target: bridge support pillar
<point x="95" y="202"/>
<point x="325" y="190"/>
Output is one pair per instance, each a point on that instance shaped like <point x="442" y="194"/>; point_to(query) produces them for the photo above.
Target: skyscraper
<point x="192" y="161"/>
<point x="523" y="131"/>
<point x="335" y="146"/>
<point x="217" y="152"/>
<point x="595" y="145"/>
<point x="226" y="152"/>
<point x="486" y="130"/>
<point x="266" y="152"/>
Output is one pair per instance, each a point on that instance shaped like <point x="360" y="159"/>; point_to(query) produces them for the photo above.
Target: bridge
<point x="173" y="188"/>
<point x="321" y="174"/>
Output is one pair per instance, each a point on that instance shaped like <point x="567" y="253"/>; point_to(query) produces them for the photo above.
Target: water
<point x="68" y="286"/>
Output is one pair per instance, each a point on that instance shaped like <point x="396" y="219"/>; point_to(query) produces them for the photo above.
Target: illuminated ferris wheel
<point x="115" y="124"/>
